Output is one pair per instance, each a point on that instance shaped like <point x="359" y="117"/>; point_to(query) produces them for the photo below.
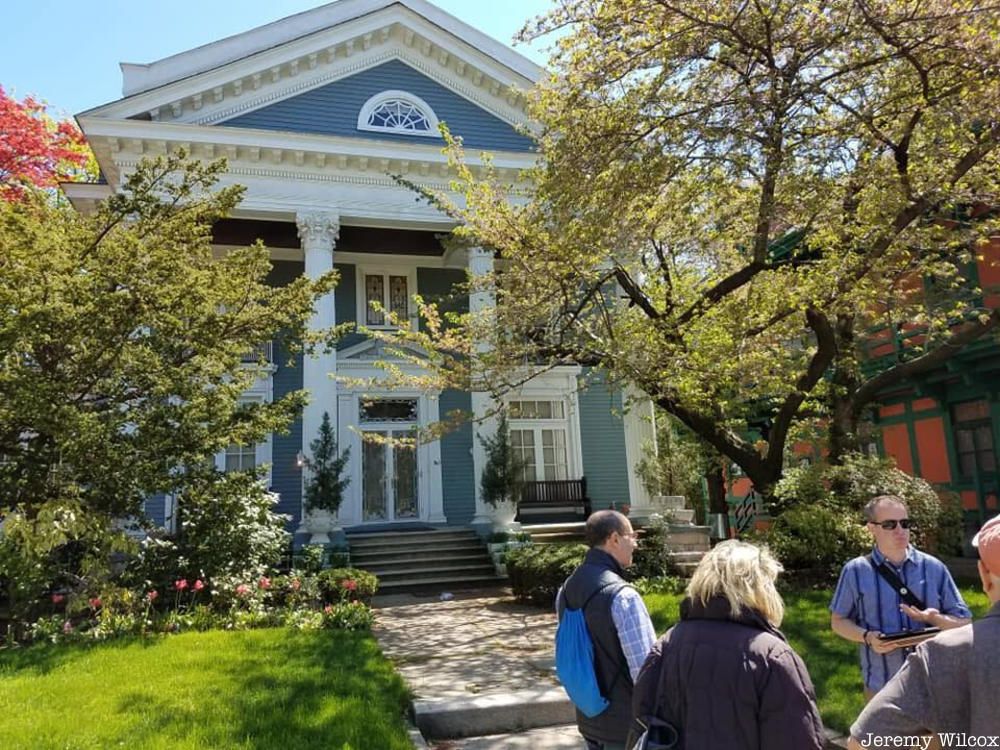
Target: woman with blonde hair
<point x="724" y="677"/>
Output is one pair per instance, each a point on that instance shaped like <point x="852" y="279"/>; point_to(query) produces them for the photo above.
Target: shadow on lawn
<point x="325" y="689"/>
<point x="42" y="658"/>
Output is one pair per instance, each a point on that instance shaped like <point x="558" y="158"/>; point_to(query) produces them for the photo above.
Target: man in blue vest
<point x="618" y="623"/>
<point x="893" y="589"/>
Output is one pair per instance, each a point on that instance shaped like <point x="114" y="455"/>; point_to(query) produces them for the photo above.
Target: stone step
<point x="667" y="502"/>
<point x="389" y="562"/>
<point x="360" y="540"/>
<point x="562" y="737"/>
<point x="679" y="557"/>
<point x="681" y="515"/>
<point x="417" y="552"/>
<point x="497" y="713"/>
<point x="687" y="535"/>
<point x="388" y="576"/>
<point x="696" y="547"/>
<point x="440" y="581"/>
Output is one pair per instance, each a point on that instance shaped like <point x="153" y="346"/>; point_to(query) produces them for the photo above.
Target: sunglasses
<point x="891" y="524"/>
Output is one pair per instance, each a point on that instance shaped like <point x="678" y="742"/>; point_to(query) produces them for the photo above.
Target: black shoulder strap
<point x="898" y="586"/>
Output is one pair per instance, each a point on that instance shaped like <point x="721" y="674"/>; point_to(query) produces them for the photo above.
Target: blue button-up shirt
<point x="866" y="598"/>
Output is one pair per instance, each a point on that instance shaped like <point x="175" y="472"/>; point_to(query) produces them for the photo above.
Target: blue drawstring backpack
<point x="575" y="660"/>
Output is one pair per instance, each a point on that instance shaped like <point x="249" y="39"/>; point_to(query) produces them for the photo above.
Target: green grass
<point x="833" y="662"/>
<point x="258" y="689"/>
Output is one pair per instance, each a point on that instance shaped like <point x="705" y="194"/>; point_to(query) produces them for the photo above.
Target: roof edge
<point x="141" y="77"/>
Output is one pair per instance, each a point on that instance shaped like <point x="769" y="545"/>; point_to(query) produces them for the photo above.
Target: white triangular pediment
<point x="239" y="74"/>
<point x="373" y="350"/>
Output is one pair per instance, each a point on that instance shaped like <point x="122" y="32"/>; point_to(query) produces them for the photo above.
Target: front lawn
<point x="832" y="661"/>
<point x="273" y="688"/>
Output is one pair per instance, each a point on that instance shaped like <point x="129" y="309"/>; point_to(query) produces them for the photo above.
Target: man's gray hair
<point x="602" y="524"/>
<point x="872" y="505"/>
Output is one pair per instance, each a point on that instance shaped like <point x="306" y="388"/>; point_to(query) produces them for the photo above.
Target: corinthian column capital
<point x="318" y="228"/>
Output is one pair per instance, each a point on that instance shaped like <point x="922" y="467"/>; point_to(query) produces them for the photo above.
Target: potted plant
<point x="501" y="481"/>
<point x="324" y="490"/>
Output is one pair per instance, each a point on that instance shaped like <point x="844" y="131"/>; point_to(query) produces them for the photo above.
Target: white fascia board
<point x="138" y="78"/>
<point x="205" y="85"/>
<point x="217" y="135"/>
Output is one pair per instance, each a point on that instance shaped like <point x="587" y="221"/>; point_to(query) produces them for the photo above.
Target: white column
<point x="640" y="430"/>
<point x="318" y="231"/>
<point x="482" y="301"/>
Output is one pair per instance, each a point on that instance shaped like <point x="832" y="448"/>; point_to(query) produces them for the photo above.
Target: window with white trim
<point x="398" y="112"/>
<point x="538" y="437"/>
<point x="391" y="291"/>
<point x="240" y="457"/>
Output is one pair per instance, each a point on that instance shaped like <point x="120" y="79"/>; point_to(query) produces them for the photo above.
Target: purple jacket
<point x="729" y="683"/>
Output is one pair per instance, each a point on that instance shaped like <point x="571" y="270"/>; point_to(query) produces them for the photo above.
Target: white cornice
<point x="275" y="153"/>
<point x="387" y="31"/>
<point x="192" y="62"/>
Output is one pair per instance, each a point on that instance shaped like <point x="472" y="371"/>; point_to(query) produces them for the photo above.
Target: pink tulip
<point x="181" y="584"/>
<point x="264" y="582"/>
<point x="198" y="585"/>
<point x="58" y="598"/>
<point x="242" y="590"/>
<point x="95" y="602"/>
<point x="152" y="595"/>
<point x="349" y="584"/>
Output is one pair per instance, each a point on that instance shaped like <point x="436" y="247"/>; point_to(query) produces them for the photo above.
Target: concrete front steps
<point x="493" y="713"/>
<point x="408" y="560"/>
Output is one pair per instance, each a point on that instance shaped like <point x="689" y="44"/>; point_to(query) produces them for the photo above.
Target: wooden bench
<point x="551" y="500"/>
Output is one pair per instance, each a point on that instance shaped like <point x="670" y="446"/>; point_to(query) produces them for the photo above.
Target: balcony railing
<point x="557" y="494"/>
<point x="261" y="352"/>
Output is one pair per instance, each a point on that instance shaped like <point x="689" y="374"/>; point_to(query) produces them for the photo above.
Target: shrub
<point x="347" y="584"/>
<point x="817" y="539"/>
<point x="818" y="512"/>
<point x="348" y="616"/>
<point x="652" y="557"/>
<point x="536" y="572"/>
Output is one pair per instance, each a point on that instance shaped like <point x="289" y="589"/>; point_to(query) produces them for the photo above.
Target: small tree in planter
<point x="501" y="481"/>
<point x="325" y="489"/>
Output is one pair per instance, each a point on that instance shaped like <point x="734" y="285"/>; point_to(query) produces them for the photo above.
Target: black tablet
<point x="908" y="635"/>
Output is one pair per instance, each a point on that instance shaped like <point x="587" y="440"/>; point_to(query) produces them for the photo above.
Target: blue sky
<point x="67" y="52"/>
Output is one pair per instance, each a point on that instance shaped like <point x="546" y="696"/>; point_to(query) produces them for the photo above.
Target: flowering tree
<point x="37" y="150"/>
<point x="728" y="196"/>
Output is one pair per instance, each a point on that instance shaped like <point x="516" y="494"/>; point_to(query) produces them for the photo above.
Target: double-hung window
<point x="241" y="457"/>
<point x="538" y="437"/>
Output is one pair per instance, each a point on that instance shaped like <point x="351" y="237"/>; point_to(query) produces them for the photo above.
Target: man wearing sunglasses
<point x="895" y="588"/>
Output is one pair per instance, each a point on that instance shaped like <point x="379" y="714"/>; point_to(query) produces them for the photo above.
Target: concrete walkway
<point x="481" y="668"/>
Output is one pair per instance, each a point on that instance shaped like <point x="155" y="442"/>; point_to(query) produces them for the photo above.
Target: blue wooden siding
<point x="155" y="508"/>
<point x="444" y="286"/>
<point x="333" y="110"/>
<point x="346" y="303"/>
<point x="457" y="472"/>
<point x="602" y="434"/>
<point x="286" y="476"/>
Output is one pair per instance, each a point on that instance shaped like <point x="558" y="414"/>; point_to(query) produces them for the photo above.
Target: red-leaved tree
<point x="37" y="150"/>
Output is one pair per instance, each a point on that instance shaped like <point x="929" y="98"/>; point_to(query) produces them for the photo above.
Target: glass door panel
<point x="405" y="480"/>
<point x="374" y="484"/>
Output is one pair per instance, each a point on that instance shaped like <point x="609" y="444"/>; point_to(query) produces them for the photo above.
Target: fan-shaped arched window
<point x="398" y="112"/>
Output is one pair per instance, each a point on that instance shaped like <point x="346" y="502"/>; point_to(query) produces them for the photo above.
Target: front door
<point x="389" y="476"/>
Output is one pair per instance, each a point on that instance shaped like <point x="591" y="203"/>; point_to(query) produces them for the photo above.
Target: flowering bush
<point x="347" y="584"/>
<point x="337" y="598"/>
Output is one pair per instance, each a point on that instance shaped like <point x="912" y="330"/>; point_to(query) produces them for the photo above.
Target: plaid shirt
<point x="635" y="629"/>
